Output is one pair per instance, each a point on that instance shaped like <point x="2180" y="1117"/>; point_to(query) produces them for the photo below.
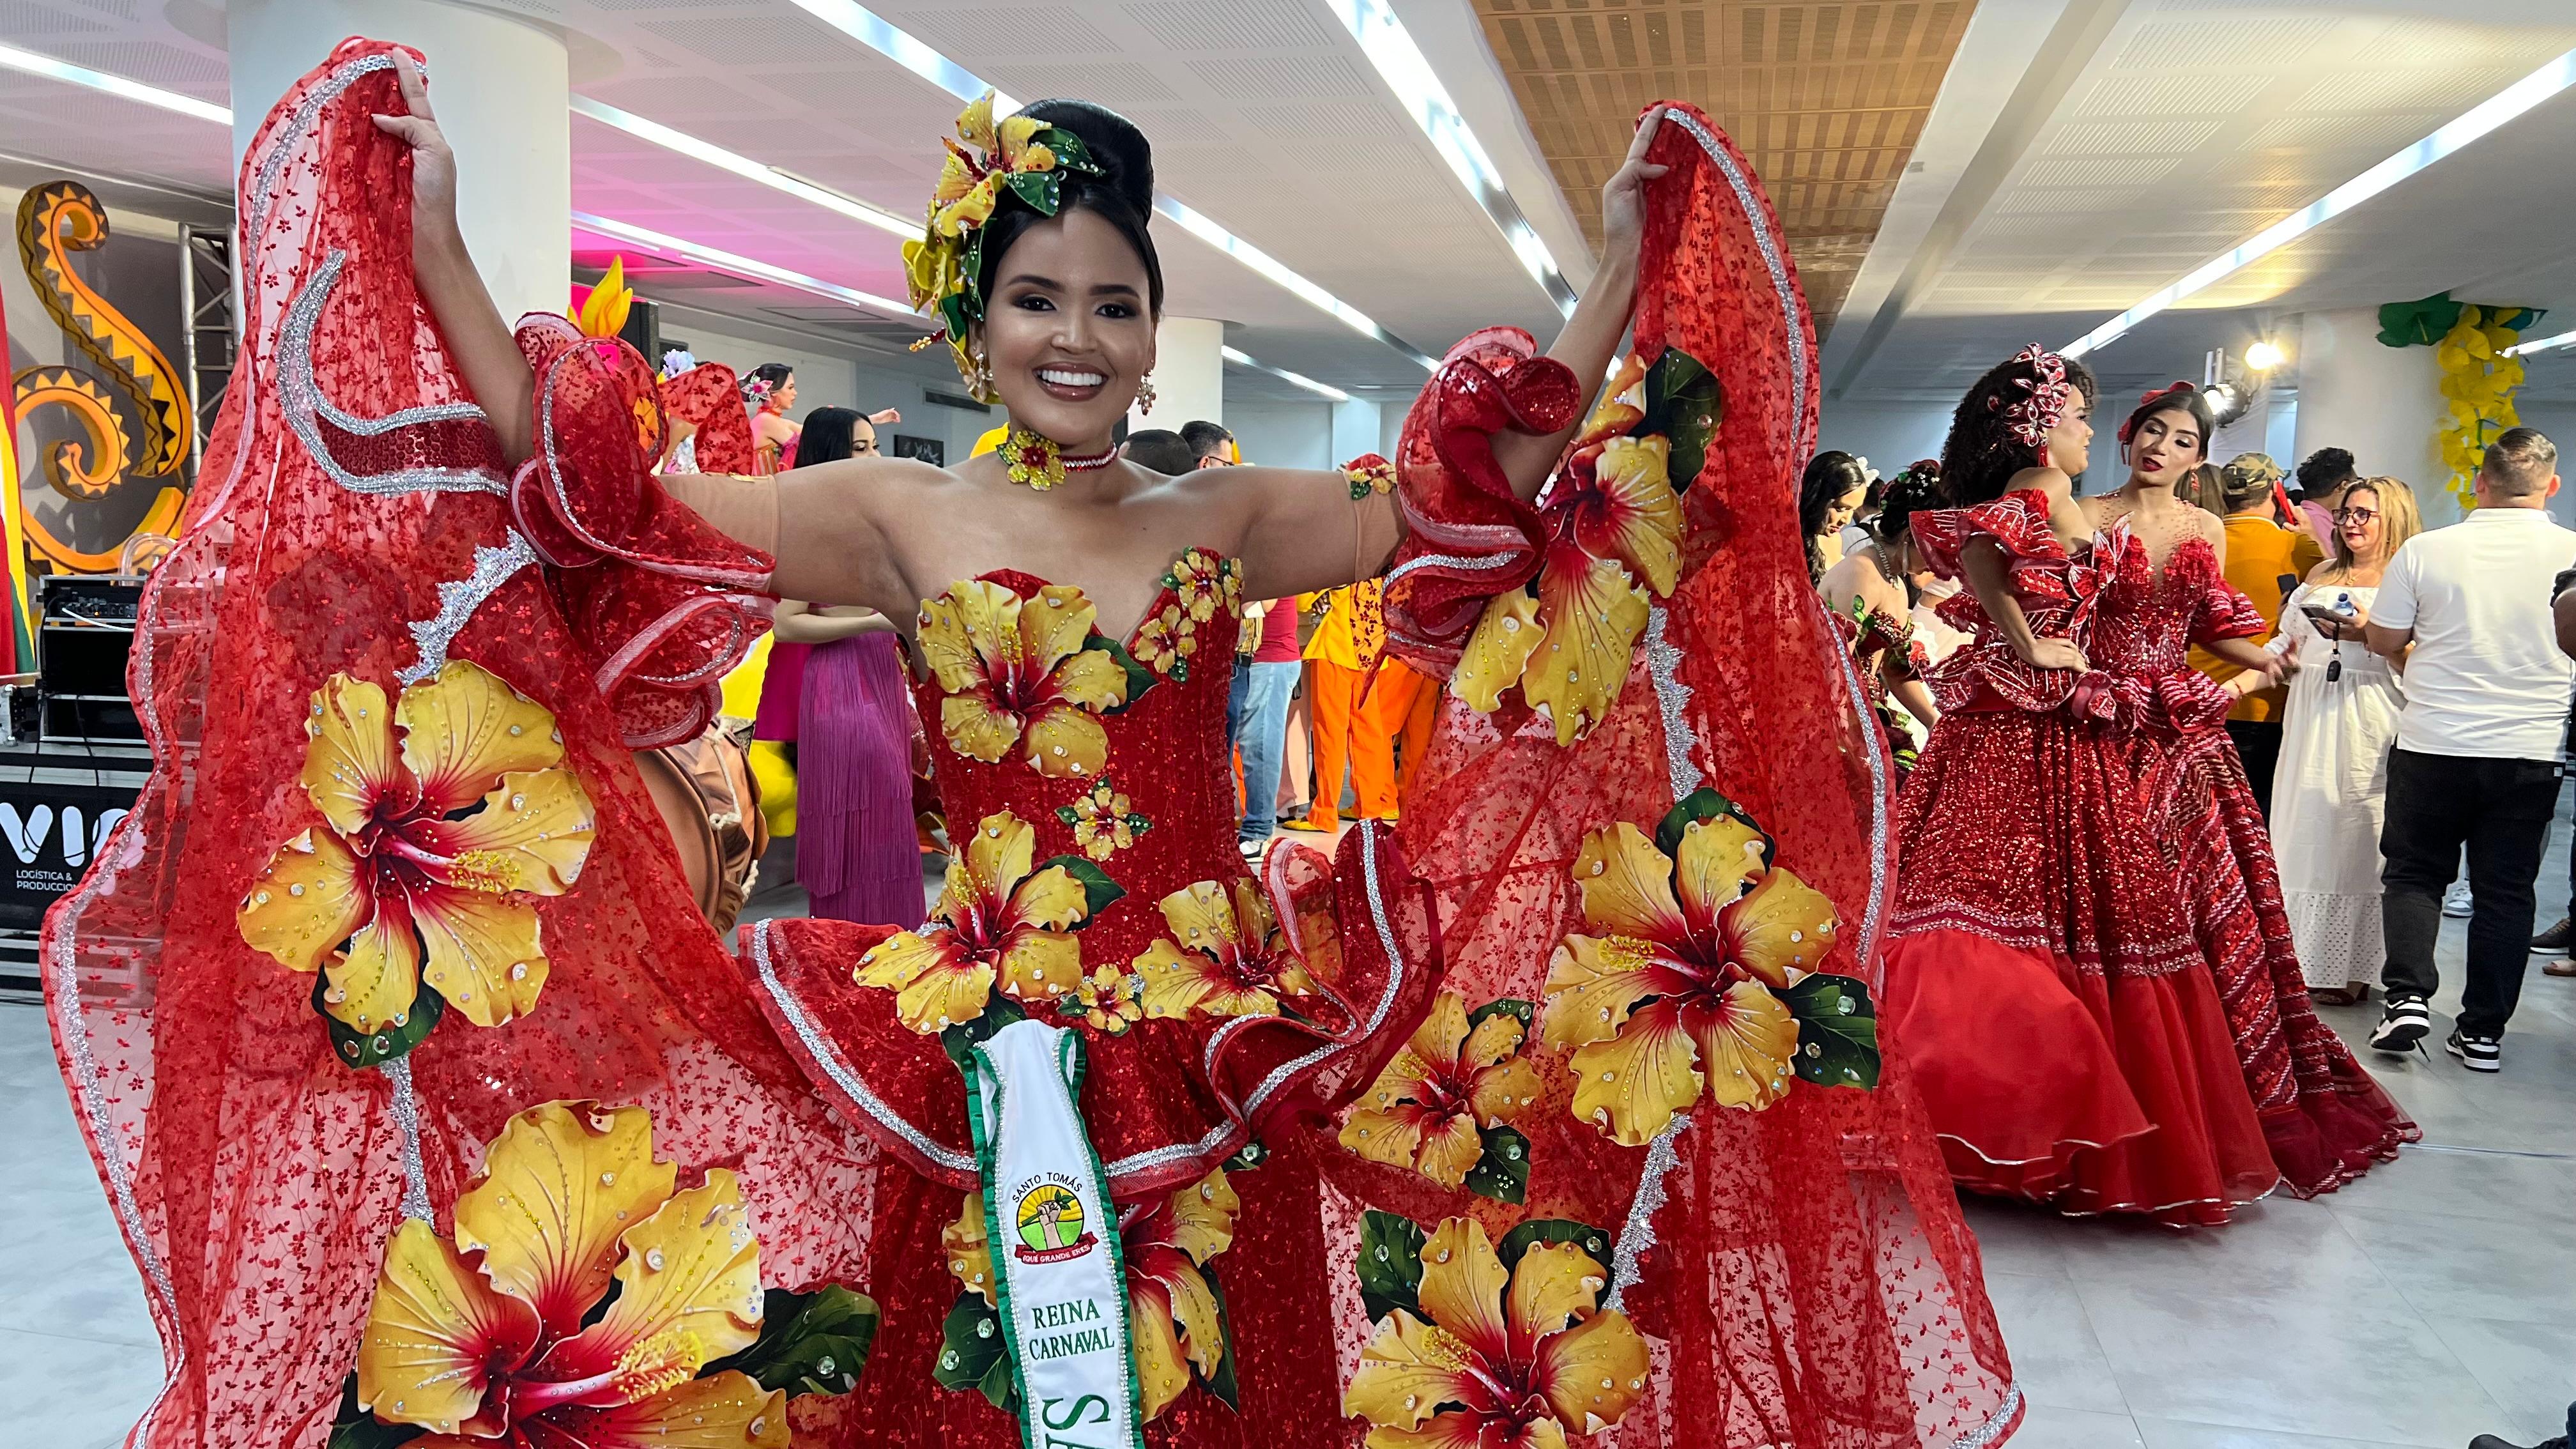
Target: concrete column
<point x="1188" y="376"/>
<point x="500" y="87"/>
<point x="1356" y="426"/>
<point x="2380" y="402"/>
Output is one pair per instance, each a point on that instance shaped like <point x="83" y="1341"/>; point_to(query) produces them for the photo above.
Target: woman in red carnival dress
<point x="2085" y="875"/>
<point x="426" y="1103"/>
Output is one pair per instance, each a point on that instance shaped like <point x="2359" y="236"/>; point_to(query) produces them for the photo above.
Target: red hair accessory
<point x="2030" y="418"/>
<point x="2147" y="400"/>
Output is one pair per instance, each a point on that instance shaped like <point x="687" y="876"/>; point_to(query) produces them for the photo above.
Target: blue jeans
<point x="1261" y="729"/>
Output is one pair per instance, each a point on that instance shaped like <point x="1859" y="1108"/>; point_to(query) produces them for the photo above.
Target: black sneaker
<point x="2556" y="940"/>
<point x="2402" y="1023"/>
<point x="2490" y="1441"/>
<point x="2477" y="1053"/>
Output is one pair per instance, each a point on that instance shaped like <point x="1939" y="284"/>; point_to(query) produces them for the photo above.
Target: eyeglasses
<point x="2355" y="515"/>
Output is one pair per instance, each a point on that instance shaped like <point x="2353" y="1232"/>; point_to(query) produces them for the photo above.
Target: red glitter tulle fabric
<point x="1803" y="1270"/>
<point x="350" y="492"/>
<point x="2089" y="969"/>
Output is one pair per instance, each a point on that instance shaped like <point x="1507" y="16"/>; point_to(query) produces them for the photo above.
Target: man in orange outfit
<point x="1363" y="703"/>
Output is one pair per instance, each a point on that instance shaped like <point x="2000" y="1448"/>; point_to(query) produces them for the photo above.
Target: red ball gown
<point x="2089" y="967"/>
<point x="422" y="1094"/>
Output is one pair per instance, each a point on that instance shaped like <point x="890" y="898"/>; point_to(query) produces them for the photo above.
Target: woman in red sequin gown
<point x="2091" y="972"/>
<point x="1801" y="1272"/>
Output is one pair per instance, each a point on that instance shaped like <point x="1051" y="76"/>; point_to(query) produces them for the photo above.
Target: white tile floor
<point x="2432" y="1301"/>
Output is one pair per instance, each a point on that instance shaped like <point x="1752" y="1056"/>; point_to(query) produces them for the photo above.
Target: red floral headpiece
<point x="2030" y="418"/>
<point x="2147" y="401"/>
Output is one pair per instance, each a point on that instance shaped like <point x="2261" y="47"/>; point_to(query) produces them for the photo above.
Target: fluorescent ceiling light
<point x="1240" y="359"/>
<point x="1389" y="47"/>
<point x="115" y="85"/>
<point x="740" y="265"/>
<point x="2487" y="115"/>
<point x="2541" y="344"/>
<point x="743" y="166"/>
<point x="1199" y="225"/>
<point x="894" y="43"/>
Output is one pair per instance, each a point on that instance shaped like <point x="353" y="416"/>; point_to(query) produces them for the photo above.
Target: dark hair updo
<point x="1981" y="454"/>
<point x="1908" y="493"/>
<point x="1121" y="195"/>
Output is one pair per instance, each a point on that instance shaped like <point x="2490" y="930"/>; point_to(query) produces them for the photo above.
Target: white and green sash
<point x="1054" y="1240"/>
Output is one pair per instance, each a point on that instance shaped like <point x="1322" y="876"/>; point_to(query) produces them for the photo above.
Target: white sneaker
<point x="2455" y="901"/>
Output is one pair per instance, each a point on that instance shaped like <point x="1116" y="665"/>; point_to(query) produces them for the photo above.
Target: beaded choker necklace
<point x="1036" y="460"/>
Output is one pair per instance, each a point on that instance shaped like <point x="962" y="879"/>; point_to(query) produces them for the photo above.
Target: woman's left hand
<point x="1623" y="196"/>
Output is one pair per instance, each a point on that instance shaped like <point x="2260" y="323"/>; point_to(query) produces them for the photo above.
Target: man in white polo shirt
<point x="2478" y="743"/>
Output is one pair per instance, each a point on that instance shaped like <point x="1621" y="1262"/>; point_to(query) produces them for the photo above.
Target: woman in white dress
<point x="2330" y="790"/>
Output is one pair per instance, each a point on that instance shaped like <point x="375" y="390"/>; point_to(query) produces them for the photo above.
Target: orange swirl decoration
<point x="55" y="220"/>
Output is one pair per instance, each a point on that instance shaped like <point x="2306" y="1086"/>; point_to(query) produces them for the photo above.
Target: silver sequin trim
<point x="124" y="847"/>
<point x="1993" y="1430"/>
<point x="285" y="139"/>
<point x="1638" y="1233"/>
<point x="1881" y="786"/>
<point x="1673" y="698"/>
<point x="1282" y="1074"/>
<point x="1444" y="560"/>
<point x="828" y="1058"/>
<point x="406" y="1110"/>
<point x="457" y="601"/>
<point x="1781" y="282"/>
<point x="300" y="398"/>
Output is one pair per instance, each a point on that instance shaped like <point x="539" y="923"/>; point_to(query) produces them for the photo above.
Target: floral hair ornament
<point x="2146" y="403"/>
<point x="2031" y="418"/>
<point x="1023" y="157"/>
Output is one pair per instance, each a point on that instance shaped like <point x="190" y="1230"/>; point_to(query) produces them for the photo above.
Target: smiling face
<point x="2070" y="443"/>
<point x="1067" y="330"/>
<point x="2167" y="445"/>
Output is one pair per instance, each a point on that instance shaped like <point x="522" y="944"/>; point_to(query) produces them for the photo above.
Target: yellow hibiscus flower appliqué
<point x="1103" y="821"/>
<point x="1614" y="529"/>
<point x="999" y="919"/>
<point x="1677" y="985"/>
<point x="1018" y="673"/>
<point x="444" y="814"/>
<point x="1427" y="1107"/>
<point x="1520" y="1356"/>
<point x="1225" y="956"/>
<point x="497" y="1336"/>
<point x="1201" y="585"/>
<point x="1176" y="1329"/>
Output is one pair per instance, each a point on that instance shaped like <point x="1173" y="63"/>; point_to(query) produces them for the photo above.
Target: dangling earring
<point x="981" y="384"/>
<point x="1145" y="396"/>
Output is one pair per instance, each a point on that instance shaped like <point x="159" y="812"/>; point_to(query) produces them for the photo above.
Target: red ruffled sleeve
<point x="1468" y="536"/>
<point x="2223" y="612"/>
<point x="666" y="604"/>
<point x="2017" y="522"/>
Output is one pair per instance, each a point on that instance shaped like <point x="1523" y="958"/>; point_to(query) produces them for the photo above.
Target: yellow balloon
<point x="2477" y="345"/>
<point x="2450" y="357"/>
<point x="2471" y="317"/>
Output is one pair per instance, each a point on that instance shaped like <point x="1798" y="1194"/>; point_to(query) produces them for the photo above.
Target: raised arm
<point x="478" y="337"/>
<point x="1307" y="535"/>
<point x="1591" y="336"/>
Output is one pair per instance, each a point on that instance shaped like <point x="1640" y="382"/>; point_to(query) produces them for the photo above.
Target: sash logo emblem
<point x="1050" y="1221"/>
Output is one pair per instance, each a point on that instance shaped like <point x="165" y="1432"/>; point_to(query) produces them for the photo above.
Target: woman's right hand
<point x="433" y="165"/>
<point x="2054" y="654"/>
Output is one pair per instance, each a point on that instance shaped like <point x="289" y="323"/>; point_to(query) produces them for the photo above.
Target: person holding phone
<point x="2330" y="789"/>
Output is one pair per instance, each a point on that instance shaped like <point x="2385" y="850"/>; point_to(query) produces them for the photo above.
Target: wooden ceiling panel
<point x="1827" y="99"/>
